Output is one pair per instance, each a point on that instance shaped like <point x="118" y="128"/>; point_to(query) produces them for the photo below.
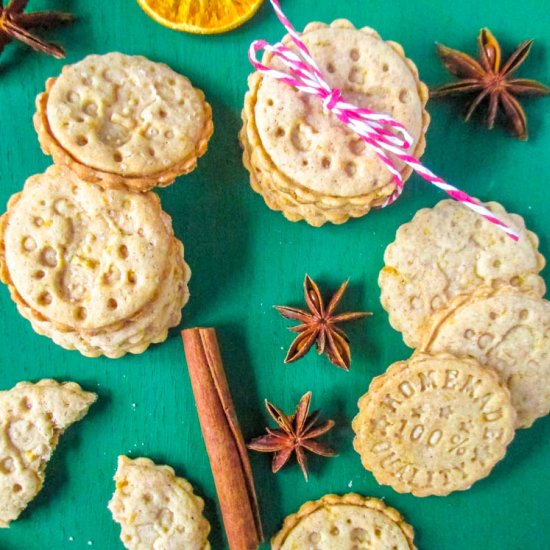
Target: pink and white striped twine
<point x="382" y="132"/>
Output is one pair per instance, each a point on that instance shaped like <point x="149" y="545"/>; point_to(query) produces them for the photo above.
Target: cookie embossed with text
<point x="432" y="425"/>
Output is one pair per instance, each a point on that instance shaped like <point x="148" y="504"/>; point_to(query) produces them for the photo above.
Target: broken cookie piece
<point x="156" y="509"/>
<point x="32" y="417"/>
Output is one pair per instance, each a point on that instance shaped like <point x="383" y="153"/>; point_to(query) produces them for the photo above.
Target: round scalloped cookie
<point x="119" y="120"/>
<point x="307" y="152"/>
<point x="82" y="256"/>
<point x="506" y="330"/>
<point x="133" y="335"/>
<point x="449" y="250"/>
<point x="433" y="424"/>
<point x="156" y="509"/>
<point x="345" y="522"/>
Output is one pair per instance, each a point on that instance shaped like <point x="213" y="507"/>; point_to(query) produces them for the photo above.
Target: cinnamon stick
<point x="223" y="438"/>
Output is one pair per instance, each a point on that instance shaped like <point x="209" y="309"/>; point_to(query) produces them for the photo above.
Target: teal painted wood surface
<point x="246" y="258"/>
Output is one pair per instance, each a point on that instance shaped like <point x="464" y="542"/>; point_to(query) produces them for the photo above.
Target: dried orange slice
<point x="201" y="16"/>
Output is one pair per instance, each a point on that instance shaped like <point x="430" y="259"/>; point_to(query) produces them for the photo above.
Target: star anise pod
<point x="319" y="326"/>
<point x="491" y="81"/>
<point x="296" y="434"/>
<point x="16" y="25"/>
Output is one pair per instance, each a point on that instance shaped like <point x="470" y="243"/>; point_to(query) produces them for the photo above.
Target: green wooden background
<point x="246" y="258"/>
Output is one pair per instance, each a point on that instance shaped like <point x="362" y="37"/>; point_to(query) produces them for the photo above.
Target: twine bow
<point x="378" y="130"/>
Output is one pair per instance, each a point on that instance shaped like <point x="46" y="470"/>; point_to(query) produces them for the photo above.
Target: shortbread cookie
<point x="118" y="120"/>
<point x="432" y="425"/>
<point x="450" y="250"/>
<point x="82" y="259"/>
<point x="32" y="417"/>
<point x="303" y="155"/>
<point x="156" y="509"/>
<point x="345" y="522"/>
<point x="508" y="331"/>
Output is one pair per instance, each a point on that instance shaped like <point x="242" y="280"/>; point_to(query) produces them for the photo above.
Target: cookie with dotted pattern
<point x="119" y="120"/>
<point x="433" y="424"/>
<point x="345" y="522"/>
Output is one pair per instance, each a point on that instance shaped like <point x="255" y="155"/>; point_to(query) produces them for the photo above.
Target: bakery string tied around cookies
<point x="378" y="130"/>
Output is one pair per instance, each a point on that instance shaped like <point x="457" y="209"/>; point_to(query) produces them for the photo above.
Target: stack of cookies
<point x="470" y="300"/>
<point x="89" y="255"/>
<point x="301" y="159"/>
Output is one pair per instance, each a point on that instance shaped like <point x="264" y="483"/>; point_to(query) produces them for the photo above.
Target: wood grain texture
<point x="246" y="258"/>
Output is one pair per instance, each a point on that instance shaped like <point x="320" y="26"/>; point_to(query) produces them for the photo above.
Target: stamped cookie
<point x="432" y="425"/>
<point x="156" y="509"/>
<point x="508" y="331"/>
<point x="119" y="120"/>
<point x="301" y="158"/>
<point x="450" y="250"/>
<point x="345" y="522"/>
<point x="82" y="261"/>
<point x="32" y="417"/>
